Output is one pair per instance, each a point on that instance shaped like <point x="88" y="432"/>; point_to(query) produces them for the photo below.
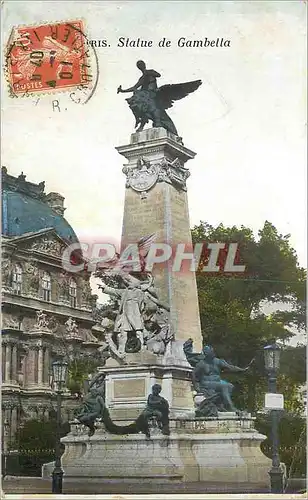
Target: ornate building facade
<point x="46" y="311"/>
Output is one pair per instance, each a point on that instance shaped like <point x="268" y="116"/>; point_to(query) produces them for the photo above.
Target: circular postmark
<point x="51" y="58"/>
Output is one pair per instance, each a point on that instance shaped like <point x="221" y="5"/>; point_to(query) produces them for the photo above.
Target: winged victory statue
<point x="149" y="102"/>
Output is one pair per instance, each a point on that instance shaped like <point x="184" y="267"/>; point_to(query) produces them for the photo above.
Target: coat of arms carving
<point x="141" y="177"/>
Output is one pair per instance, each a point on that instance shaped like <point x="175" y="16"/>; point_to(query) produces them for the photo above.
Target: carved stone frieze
<point x="144" y="175"/>
<point x="59" y="350"/>
<point x="7" y="340"/>
<point x="42" y="322"/>
<point x="71" y="327"/>
<point x="37" y="344"/>
<point x="9" y="405"/>
<point x="10" y="321"/>
<point x="174" y="173"/>
<point x="48" y="245"/>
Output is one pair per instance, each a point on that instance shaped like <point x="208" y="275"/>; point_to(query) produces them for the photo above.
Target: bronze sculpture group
<point x="138" y="301"/>
<point x="215" y="396"/>
<point x="149" y="102"/>
<point x="94" y="407"/>
<point x="214" y="391"/>
<point x="141" y="321"/>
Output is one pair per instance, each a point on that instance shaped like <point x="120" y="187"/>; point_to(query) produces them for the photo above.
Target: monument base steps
<point x="223" y="450"/>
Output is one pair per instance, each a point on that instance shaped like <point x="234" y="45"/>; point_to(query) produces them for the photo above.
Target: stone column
<point x="40" y="365"/>
<point x="13" y="421"/>
<point x="35" y="366"/>
<point x="46" y="366"/>
<point x="6" y="429"/>
<point x="14" y="363"/>
<point x="8" y="362"/>
<point x="24" y="370"/>
<point x="3" y="362"/>
<point x="9" y="412"/>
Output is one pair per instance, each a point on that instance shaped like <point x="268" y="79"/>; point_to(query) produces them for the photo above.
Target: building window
<point x="73" y="293"/>
<point x="46" y="287"/>
<point x="17" y="279"/>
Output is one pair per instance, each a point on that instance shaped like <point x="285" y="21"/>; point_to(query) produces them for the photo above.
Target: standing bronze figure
<point x="149" y="102"/>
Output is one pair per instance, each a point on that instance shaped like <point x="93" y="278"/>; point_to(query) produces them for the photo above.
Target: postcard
<point x="153" y="248"/>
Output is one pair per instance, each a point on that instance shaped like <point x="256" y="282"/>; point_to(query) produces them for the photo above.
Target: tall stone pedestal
<point x="156" y="202"/>
<point x="220" y="451"/>
<point x="127" y="387"/>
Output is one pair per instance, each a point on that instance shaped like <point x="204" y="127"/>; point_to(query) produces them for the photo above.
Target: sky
<point x="247" y="121"/>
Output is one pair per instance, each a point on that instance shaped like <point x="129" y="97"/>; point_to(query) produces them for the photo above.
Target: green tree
<point x="39" y="435"/>
<point x="231" y="304"/>
<point x="35" y="442"/>
<point x="292" y="438"/>
<point x="79" y="369"/>
<point x="80" y="364"/>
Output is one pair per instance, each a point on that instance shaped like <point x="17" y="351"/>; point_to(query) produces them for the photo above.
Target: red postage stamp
<point x="48" y="57"/>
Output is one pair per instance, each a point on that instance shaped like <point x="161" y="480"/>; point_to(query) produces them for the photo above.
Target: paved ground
<point x="14" y="484"/>
<point x="20" y="485"/>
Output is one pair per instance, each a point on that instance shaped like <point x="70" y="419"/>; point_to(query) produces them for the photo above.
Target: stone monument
<point x="155" y="312"/>
<point x="156" y="202"/>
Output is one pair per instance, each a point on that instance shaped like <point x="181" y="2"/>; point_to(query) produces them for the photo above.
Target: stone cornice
<point x="157" y="370"/>
<point x="33" y="341"/>
<point x="22" y="186"/>
<point x="155" y="140"/>
<point x="34" y="304"/>
<point x="8" y="340"/>
<point x="168" y="150"/>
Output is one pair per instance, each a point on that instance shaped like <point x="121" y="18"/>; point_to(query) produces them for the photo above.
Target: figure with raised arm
<point x="134" y="299"/>
<point x="149" y="102"/>
<point x="207" y="381"/>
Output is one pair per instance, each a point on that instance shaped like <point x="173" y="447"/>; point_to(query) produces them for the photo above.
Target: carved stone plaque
<point x="129" y="388"/>
<point x="142" y="177"/>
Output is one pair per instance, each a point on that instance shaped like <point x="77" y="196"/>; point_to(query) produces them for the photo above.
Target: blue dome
<point x="25" y="210"/>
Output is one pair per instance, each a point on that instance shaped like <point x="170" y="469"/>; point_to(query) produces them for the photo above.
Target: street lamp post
<point x="59" y="371"/>
<point x="5" y="435"/>
<point x="272" y="360"/>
